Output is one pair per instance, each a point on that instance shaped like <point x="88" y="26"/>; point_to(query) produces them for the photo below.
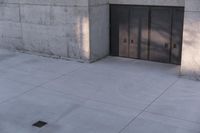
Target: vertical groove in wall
<point x="20" y="21"/>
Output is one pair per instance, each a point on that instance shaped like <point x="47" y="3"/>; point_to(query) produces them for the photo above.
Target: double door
<point x="148" y="33"/>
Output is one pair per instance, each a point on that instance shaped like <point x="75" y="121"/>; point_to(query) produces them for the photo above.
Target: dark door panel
<point x="160" y="34"/>
<point x="139" y="32"/>
<point x="114" y="31"/>
<point x="134" y="33"/>
<point x="119" y="31"/>
<point x="144" y="35"/>
<point x="177" y="32"/>
<point x="123" y="32"/>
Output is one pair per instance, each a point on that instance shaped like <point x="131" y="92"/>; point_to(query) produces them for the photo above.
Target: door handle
<point x="125" y="40"/>
<point x="174" y="46"/>
<point x="166" y="45"/>
<point x="132" y="41"/>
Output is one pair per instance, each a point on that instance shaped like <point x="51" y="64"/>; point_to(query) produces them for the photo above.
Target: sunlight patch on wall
<point x="82" y="34"/>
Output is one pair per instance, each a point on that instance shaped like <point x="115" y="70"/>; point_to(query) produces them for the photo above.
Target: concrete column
<point x="191" y="40"/>
<point x="99" y="29"/>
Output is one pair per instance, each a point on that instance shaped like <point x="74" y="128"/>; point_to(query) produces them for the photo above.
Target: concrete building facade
<point x="80" y="29"/>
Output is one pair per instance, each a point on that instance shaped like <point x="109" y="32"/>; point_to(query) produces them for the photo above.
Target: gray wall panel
<point x="50" y="27"/>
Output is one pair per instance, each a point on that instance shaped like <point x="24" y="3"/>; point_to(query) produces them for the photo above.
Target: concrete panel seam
<point x="149" y="105"/>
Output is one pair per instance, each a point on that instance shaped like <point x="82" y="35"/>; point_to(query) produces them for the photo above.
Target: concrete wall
<point x="191" y="40"/>
<point x="99" y="29"/>
<point x="50" y="27"/>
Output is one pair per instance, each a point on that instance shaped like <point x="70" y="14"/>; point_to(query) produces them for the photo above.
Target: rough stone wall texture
<point x="51" y="27"/>
<point x="191" y="40"/>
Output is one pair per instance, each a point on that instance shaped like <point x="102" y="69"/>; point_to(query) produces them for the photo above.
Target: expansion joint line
<point x="148" y="106"/>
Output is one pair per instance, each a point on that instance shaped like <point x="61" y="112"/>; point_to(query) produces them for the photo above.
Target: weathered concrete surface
<point x="110" y="96"/>
<point x="191" y="40"/>
<point x="99" y="29"/>
<point x="58" y="27"/>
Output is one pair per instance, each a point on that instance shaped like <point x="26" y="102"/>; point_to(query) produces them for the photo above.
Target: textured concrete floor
<point x="114" y="95"/>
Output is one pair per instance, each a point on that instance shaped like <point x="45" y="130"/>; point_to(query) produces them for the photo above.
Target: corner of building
<point x="99" y="29"/>
<point x="190" y="67"/>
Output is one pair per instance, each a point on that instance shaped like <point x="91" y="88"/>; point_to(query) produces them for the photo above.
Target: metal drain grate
<point x="39" y="124"/>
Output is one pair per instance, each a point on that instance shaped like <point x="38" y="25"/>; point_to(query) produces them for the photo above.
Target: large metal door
<point x="160" y="36"/>
<point x="177" y="32"/>
<point x="138" y="47"/>
<point x="150" y="33"/>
